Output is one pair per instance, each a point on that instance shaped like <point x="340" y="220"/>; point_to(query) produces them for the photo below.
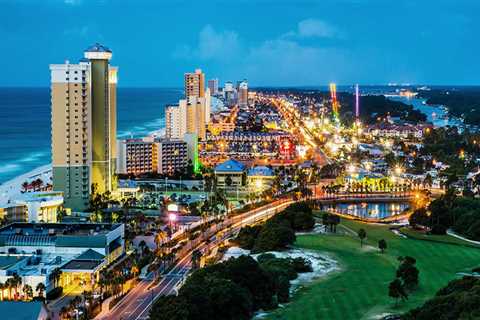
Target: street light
<point x="172" y="218"/>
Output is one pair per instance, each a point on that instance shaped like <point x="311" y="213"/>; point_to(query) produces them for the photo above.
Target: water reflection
<point x="369" y="210"/>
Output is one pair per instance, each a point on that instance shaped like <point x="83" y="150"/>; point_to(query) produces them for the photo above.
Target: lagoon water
<point x="25" y="123"/>
<point x="370" y="210"/>
<point x="436" y="114"/>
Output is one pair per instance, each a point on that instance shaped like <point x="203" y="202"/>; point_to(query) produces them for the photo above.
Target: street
<point x="137" y="303"/>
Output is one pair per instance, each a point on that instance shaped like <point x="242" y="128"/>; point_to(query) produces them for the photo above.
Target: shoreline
<point x="12" y="188"/>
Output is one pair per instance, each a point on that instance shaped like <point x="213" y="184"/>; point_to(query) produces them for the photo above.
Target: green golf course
<point x="360" y="289"/>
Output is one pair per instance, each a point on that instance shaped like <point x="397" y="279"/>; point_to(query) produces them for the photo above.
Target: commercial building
<point x="229" y="93"/>
<point x="243" y="93"/>
<point x="83" y="98"/>
<point x="172" y="156"/>
<point x="149" y="155"/>
<point x="137" y="156"/>
<point x="33" y="207"/>
<point x="230" y="173"/>
<point x="195" y="84"/>
<point x="213" y="86"/>
<point x="79" y="251"/>
<point x="260" y="178"/>
<point x="34" y="310"/>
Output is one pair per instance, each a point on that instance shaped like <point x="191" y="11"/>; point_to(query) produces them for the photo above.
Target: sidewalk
<point x="453" y="234"/>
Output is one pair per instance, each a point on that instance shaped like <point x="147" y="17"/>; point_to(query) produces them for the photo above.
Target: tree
<point x="396" y="291"/>
<point x="362" y="234"/>
<point x="196" y="256"/>
<point x="28" y="291"/>
<point x="16" y="281"/>
<point x="419" y="217"/>
<point x="25" y="186"/>
<point x="55" y="276"/>
<point x="408" y="272"/>
<point x="382" y="245"/>
<point x="40" y="289"/>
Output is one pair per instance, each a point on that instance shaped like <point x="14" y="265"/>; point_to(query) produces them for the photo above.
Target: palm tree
<point x="2" y="287"/>
<point x="17" y="280"/>
<point x="362" y="234"/>
<point x="196" y="256"/>
<point x="28" y="291"/>
<point x="160" y="238"/>
<point x="40" y="289"/>
<point x="25" y="186"/>
<point x="55" y="276"/>
<point x="9" y="286"/>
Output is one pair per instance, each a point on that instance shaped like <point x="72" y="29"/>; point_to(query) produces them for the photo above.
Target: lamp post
<point x="172" y="218"/>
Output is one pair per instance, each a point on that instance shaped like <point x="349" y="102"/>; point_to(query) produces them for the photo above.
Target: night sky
<point x="271" y="43"/>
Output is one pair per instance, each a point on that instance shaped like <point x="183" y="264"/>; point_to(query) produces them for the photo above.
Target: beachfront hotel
<point x="192" y="114"/>
<point x="151" y="155"/>
<point x="83" y="97"/>
<point x="195" y="84"/>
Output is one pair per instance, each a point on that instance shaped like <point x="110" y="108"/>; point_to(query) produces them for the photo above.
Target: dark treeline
<point x="233" y="289"/>
<point x="462" y="102"/>
<point x="458" y="300"/>
<point x="462" y="215"/>
<point x="279" y="231"/>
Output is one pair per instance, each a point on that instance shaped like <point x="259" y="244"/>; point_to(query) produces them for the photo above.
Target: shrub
<point x="274" y="236"/>
<point x="438" y="229"/>
<point x="302" y="265"/>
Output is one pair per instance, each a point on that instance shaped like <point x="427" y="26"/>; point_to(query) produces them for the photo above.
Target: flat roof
<point x="77" y="229"/>
<point x="8" y="261"/>
<point x="20" y="310"/>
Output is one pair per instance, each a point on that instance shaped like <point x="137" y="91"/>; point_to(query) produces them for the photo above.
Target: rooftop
<point x="261" y="171"/>
<point x="230" y="166"/>
<point x="76" y="264"/>
<point x="48" y="229"/>
<point x="8" y="261"/>
<point x="20" y="310"/>
<point x="97" y="47"/>
<point x="90" y="255"/>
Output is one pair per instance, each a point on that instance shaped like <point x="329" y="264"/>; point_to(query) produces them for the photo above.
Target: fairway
<point x="360" y="289"/>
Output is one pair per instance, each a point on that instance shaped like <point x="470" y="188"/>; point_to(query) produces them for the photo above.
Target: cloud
<point x="212" y="45"/>
<point x="72" y="2"/>
<point x="283" y="60"/>
<point x="314" y="28"/>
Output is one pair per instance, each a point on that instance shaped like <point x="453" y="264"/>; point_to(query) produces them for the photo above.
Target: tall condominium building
<point x="189" y="116"/>
<point x="83" y="98"/>
<point x="149" y="155"/>
<point x="243" y="93"/>
<point x="229" y="93"/>
<point x="213" y="86"/>
<point x="195" y="84"/>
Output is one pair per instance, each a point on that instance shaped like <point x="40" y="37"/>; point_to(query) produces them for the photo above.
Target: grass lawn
<point x="360" y="289"/>
<point x="439" y="238"/>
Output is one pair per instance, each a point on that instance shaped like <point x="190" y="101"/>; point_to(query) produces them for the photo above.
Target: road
<point x="137" y="303"/>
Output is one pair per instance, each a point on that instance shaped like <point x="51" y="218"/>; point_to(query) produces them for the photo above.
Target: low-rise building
<point x="33" y="207"/>
<point x="150" y="155"/>
<point x="230" y="173"/>
<point x="260" y="178"/>
<point x="390" y="130"/>
<point x="172" y="156"/>
<point x="35" y="251"/>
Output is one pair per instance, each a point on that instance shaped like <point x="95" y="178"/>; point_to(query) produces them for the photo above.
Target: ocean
<point x="25" y="136"/>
